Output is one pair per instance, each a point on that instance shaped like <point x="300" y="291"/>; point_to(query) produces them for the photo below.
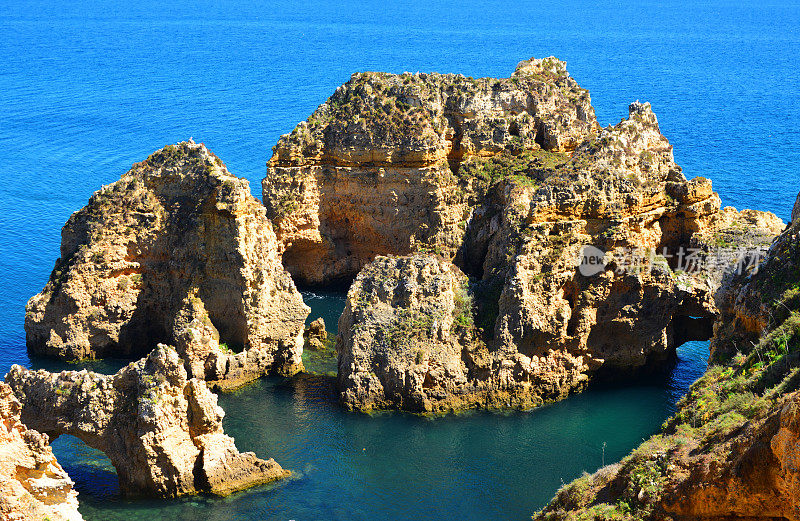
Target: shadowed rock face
<point x="32" y="483"/>
<point x="371" y="171"/>
<point x="747" y="302"/>
<point x="176" y="251"/>
<point x="796" y="209"/>
<point x="162" y="432"/>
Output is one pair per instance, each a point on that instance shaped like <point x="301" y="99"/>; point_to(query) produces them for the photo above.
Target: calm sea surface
<point x="88" y="88"/>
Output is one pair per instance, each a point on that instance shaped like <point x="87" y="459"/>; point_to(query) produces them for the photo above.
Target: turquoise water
<point x="91" y="87"/>
<point x="354" y="467"/>
<point x="327" y="304"/>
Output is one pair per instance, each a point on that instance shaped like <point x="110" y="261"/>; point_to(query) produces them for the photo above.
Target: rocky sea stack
<point x="371" y="172"/>
<point x="177" y="251"/>
<point x="409" y="339"/>
<point x="509" y="180"/>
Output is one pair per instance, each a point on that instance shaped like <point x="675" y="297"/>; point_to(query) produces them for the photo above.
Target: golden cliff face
<point x="32" y="483"/>
<point x="371" y="171"/>
<point x="176" y="251"/>
<point x="620" y="193"/>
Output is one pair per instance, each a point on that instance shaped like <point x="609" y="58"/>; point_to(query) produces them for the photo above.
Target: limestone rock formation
<point x="176" y="251"/>
<point x="162" y="432"/>
<point x="315" y="335"/>
<point x="372" y="170"/>
<point x="32" y="483"/>
<point x="405" y="328"/>
<point x="547" y="323"/>
<point x="747" y="300"/>
<point x="731" y="450"/>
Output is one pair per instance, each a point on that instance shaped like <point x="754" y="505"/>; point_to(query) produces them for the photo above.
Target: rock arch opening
<point x="91" y="470"/>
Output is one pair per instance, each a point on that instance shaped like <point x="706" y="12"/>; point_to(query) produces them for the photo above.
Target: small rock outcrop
<point x="162" y="432"/>
<point x="177" y="251"/>
<point x="316" y="336"/>
<point x="731" y="450"/>
<point x="32" y="483"/>
<point x="371" y="172"/>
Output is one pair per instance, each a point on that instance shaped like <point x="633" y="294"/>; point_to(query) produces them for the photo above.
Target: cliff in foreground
<point x="731" y="450"/>
<point x="32" y="483"/>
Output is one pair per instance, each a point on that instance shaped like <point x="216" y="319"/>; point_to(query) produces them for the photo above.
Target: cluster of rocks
<point x="176" y="263"/>
<point x="462" y="207"/>
<point x="161" y="431"/>
<point x="731" y="449"/>
<point x="507" y="179"/>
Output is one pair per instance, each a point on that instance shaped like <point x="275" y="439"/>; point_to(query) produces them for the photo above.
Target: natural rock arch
<point x="162" y="432"/>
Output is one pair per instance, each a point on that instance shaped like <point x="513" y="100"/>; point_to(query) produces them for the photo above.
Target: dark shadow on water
<point x="339" y="286"/>
<point x="104" y="366"/>
<point x="675" y="374"/>
<point x="90" y="469"/>
<point x="327" y="303"/>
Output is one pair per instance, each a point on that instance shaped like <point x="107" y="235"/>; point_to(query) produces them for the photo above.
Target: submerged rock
<point x="32" y="483"/>
<point x="176" y="251"/>
<point x="371" y="172"/>
<point x="162" y="431"/>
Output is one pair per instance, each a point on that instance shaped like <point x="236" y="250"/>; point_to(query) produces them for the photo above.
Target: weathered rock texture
<point x="315" y="335"/>
<point x="176" y="251"/>
<point x="731" y="451"/>
<point x="33" y="485"/>
<point x="407" y="333"/>
<point x="162" y="432"/>
<point x="546" y="324"/>
<point x="747" y="301"/>
<point x="371" y="171"/>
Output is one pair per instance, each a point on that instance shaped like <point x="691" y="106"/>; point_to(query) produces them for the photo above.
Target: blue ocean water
<point x="90" y="87"/>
